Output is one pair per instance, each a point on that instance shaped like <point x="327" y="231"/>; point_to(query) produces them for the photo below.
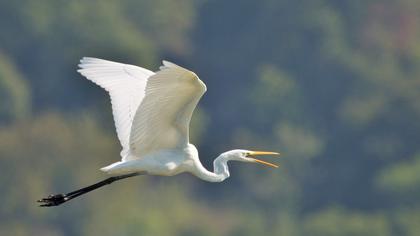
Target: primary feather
<point x="126" y="86"/>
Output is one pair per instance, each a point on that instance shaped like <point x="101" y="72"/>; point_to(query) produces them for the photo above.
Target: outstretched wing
<point x="126" y="86"/>
<point x="163" y="117"/>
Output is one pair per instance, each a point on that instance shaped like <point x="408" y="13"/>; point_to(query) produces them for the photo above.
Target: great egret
<point x="152" y="112"/>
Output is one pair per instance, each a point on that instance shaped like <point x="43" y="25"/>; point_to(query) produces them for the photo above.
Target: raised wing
<point x="126" y="86"/>
<point x="163" y="117"/>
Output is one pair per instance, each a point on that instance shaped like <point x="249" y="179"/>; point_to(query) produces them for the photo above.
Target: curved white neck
<point x="221" y="170"/>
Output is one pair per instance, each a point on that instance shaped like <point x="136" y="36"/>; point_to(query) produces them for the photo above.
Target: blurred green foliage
<point x="333" y="85"/>
<point x="15" y="94"/>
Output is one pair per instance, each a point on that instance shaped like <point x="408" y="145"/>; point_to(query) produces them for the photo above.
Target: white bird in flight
<point x="152" y="112"/>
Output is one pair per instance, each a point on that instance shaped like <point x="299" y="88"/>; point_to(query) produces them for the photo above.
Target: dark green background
<point x="332" y="85"/>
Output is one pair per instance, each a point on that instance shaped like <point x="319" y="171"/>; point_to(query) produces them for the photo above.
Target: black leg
<point x="57" y="199"/>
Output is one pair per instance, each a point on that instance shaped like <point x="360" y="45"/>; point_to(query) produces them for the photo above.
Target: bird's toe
<point x="52" y="200"/>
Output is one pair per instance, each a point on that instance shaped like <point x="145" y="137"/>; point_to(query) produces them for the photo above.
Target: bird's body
<point x="152" y="112"/>
<point x="173" y="162"/>
<point x="164" y="162"/>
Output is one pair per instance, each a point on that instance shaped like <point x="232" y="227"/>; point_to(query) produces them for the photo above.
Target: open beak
<point x="260" y="153"/>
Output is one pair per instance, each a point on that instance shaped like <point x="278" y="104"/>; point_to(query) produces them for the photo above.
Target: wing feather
<point x="163" y="117"/>
<point x="126" y="86"/>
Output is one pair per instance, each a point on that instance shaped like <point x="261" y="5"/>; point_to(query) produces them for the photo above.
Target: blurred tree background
<point x="333" y="85"/>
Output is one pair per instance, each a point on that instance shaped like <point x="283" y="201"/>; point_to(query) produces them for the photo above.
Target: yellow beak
<point x="260" y="153"/>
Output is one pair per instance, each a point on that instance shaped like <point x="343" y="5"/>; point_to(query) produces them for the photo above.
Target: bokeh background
<point x="333" y="85"/>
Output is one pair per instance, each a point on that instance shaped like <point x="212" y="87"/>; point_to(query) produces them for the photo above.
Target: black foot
<point x="53" y="200"/>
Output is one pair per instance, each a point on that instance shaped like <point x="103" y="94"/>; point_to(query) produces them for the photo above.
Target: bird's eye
<point x="247" y="154"/>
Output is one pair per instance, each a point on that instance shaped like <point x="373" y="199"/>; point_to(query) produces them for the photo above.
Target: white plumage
<point x="126" y="86"/>
<point x="147" y="123"/>
<point x="152" y="112"/>
<point x="163" y="117"/>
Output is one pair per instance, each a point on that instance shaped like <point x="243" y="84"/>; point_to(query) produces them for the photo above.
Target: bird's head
<point x="249" y="156"/>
